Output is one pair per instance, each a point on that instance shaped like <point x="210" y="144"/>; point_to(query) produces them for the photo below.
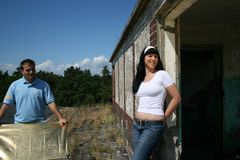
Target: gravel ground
<point x="108" y="149"/>
<point x="93" y="134"/>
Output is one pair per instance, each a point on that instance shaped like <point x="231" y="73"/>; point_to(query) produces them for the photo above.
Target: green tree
<point x="75" y="88"/>
<point x="106" y="83"/>
<point x="50" y="78"/>
<point x="5" y="81"/>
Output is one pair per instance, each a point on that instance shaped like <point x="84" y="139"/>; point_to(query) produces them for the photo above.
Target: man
<point x="31" y="95"/>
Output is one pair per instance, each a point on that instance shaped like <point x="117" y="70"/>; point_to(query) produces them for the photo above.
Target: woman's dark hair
<point x="141" y="71"/>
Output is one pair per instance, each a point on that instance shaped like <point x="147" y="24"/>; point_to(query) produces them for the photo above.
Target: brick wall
<point x="153" y="32"/>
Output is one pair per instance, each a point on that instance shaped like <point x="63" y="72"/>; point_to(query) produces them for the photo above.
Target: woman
<point x="151" y="84"/>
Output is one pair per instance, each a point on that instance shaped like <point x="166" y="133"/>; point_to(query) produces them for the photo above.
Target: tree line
<point x="75" y="88"/>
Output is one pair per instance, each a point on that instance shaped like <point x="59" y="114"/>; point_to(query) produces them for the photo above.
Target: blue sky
<point x="61" y="33"/>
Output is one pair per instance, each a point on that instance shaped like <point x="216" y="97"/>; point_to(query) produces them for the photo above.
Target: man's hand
<point x="63" y="122"/>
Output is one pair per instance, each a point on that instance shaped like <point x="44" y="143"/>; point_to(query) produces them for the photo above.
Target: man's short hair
<point x="28" y="61"/>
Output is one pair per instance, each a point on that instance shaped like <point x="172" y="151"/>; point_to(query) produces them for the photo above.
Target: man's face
<point x="29" y="72"/>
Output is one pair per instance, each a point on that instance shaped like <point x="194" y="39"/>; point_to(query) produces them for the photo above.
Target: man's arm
<point x="3" y="110"/>
<point x="54" y="109"/>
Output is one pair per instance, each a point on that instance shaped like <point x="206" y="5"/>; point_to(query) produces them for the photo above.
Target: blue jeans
<point x="145" y="139"/>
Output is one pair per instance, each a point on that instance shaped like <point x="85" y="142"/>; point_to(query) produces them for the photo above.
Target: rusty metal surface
<point x="39" y="141"/>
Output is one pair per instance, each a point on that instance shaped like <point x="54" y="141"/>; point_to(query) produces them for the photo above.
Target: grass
<point x="92" y="130"/>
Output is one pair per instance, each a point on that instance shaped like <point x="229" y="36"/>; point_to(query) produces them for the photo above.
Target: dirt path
<point x="93" y="134"/>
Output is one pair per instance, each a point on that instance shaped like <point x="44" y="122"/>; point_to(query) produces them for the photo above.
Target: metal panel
<point x="39" y="141"/>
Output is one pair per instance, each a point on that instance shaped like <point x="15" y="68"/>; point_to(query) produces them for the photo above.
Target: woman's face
<point x="151" y="61"/>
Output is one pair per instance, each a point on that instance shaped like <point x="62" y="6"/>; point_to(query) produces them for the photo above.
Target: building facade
<point x="199" y="44"/>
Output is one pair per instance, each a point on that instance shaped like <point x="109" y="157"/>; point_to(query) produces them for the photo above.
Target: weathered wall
<point x="124" y="73"/>
<point x="121" y="80"/>
<point x="141" y="41"/>
<point x="116" y="82"/>
<point x="128" y="82"/>
<point x="125" y="63"/>
<point x="140" y="23"/>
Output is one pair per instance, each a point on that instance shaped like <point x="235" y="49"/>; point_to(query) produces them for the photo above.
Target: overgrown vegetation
<point x="93" y="133"/>
<point x="75" y="88"/>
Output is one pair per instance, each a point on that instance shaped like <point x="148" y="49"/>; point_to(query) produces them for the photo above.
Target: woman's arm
<point x="175" y="100"/>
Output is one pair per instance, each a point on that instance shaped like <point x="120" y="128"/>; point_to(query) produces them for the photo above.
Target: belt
<point x="146" y="122"/>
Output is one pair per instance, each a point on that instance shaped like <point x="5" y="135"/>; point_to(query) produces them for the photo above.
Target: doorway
<point x="201" y="86"/>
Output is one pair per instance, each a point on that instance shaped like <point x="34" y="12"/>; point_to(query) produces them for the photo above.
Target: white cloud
<point x="59" y="69"/>
<point x="86" y="61"/>
<point x="99" y="61"/>
<point x="48" y="65"/>
<point x="8" y="67"/>
<point x="86" y="64"/>
<point x="95" y="65"/>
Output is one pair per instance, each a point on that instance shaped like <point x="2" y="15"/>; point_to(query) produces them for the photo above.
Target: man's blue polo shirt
<point x="30" y="99"/>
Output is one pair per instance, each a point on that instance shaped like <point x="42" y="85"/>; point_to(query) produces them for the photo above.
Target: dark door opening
<point x="201" y="86"/>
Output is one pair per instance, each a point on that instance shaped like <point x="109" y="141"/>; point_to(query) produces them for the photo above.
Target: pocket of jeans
<point x="157" y="129"/>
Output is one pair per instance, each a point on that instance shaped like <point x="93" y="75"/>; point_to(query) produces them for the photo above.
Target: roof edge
<point x="141" y="4"/>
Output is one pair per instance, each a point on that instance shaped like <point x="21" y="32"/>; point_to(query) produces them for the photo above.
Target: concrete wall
<point x="121" y="80"/>
<point x="128" y="82"/>
<point x="125" y="60"/>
